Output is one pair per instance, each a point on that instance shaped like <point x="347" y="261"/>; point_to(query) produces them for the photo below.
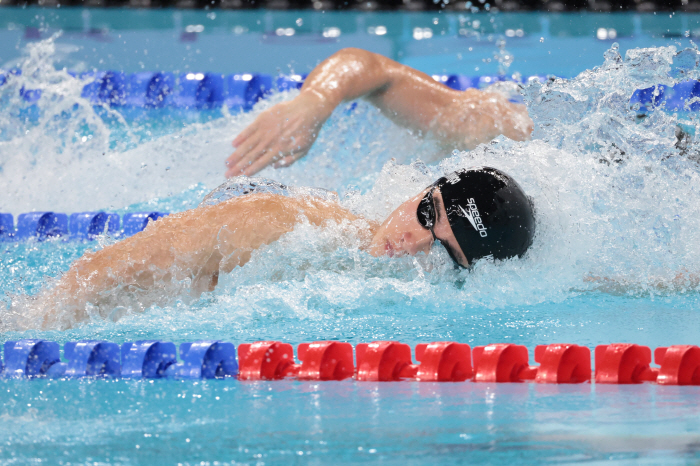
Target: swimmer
<point x="474" y="213"/>
<point x="459" y="120"/>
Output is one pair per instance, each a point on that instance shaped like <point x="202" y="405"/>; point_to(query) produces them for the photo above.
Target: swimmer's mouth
<point x="389" y="249"/>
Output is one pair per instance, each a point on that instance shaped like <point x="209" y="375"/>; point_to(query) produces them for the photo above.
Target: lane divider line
<point x="206" y="90"/>
<point x="379" y="361"/>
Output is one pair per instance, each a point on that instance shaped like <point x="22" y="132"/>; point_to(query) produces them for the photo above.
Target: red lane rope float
<point x="559" y="363"/>
<point x="626" y="363"/>
<point x="385" y="361"/>
<point x="273" y="360"/>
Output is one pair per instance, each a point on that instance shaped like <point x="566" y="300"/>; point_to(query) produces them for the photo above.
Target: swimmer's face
<point x="402" y="233"/>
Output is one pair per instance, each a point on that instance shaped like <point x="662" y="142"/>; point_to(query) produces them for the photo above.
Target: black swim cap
<point x="489" y="213"/>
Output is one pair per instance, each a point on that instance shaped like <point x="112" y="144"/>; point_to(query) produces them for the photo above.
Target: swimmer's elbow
<point x="521" y="134"/>
<point x="354" y="61"/>
<point x="352" y="53"/>
<point x="522" y="126"/>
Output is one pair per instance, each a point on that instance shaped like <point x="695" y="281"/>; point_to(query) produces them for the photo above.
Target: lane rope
<point x="81" y="226"/>
<point x="379" y="361"/>
<point x="202" y="91"/>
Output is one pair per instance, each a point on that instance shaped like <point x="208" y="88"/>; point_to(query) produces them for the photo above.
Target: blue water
<point x="343" y="422"/>
<point x="614" y="260"/>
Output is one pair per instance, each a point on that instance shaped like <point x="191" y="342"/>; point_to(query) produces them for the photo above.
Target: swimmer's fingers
<point x="261" y="156"/>
<point x="234" y="161"/>
<point x="245" y="142"/>
<point x="231" y="162"/>
<point x="266" y="159"/>
<point x="285" y="161"/>
<point x="245" y="155"/>
<point x="288" y="160"/>
<point x="241" y="150"/>
<point x="245" y="134"/>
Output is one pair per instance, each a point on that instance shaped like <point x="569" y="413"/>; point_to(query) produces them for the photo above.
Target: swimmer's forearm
<point x="414" y="100"/>
<point x="285" y="132"/>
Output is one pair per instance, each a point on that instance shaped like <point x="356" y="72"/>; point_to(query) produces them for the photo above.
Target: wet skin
<point x="197" y="245"/>
<point x="458" y="120"/>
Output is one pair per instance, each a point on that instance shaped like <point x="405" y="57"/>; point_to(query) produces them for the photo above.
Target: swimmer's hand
<point x="280" y="135"/>
<point x="410" y="98"/>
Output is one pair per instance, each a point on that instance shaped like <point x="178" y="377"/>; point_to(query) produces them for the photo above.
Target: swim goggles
<point x="427" y="217"/>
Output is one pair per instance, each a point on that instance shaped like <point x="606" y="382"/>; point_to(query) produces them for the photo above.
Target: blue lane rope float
<point x="7" y="225"/>
<point x="239" y="92"/>
<point x="379" y="361"/>
<point x="86" y="226"/>
<point x="87" y="358"/>
<point x="200" y="91"/>
<point x="682" y="97"/>
<point x="41" y="225"/>
<point x="81" y="226"/>
<point x="137" y="221"/>
<point x="146" y="359"/>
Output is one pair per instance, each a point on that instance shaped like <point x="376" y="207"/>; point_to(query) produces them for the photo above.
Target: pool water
<point x="306" y="423"/>
<point x="615" y="260"/>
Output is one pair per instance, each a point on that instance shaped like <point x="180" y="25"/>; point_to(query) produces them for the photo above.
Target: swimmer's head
<point x="474" y="213"/>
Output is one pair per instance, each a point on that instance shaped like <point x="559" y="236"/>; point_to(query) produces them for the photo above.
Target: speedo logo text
<point x="474" y="218"/>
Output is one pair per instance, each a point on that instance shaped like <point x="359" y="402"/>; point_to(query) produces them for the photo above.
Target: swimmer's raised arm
<point x="187" y="250"/>
<point x="458" y="119"/>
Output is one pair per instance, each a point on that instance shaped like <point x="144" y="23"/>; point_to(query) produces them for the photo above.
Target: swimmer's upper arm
<point x="261" y="219"/>
<point x="249" y="223"/>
